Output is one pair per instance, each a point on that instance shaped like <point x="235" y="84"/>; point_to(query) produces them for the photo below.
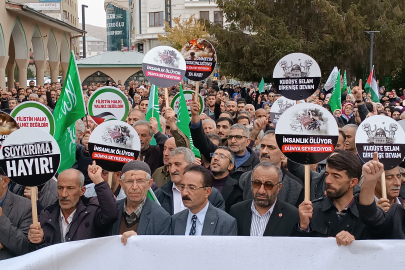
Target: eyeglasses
<point x="222" y="156"/>
<point x="238" y="137"/>
<point x="267" y="185"/>
<point x="138" y="182"/>
<point x="191" y="188"/>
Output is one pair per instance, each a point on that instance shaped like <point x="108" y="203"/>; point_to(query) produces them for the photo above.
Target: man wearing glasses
<point x="139" y="215"/>
<point x="265" y="215"/>
<point x="201" y="217"/>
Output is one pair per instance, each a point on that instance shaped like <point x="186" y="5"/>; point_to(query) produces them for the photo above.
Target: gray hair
<point x="188" y="154"/>
<point x="79" y="174"/>
<point x="80" y="125"/>
<point x="250" y="105"/>
<point x="351" y="125"/>
<point x="33" y="95"/>
<point x="146" y="123"/>
<point x="245" y="112"/>
<point x="268" y="165"/>
<point x="208" y="120"/>
<point x="242" y="127"/>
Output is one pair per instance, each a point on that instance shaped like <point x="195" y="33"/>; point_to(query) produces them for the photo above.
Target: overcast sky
<point x="95" y="13"/>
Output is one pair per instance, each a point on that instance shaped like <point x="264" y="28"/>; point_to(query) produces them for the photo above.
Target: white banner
<point x="44" y="6"/>
<point x="213" y="252"/>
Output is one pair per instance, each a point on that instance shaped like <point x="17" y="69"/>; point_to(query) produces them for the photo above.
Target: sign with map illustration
<point x="164" y="66"/>
<point x="297" y="76"/>
<point x="384" y="135"/>
<point x="309" y="133"/>
<point x="200" y="59"/>
<point x="280" y="106"/>
<point x="114" y="143"/>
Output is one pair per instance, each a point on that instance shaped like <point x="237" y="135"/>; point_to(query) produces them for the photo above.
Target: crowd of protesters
<point x="241" y="185"/>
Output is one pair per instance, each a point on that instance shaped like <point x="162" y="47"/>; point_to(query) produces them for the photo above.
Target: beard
<point x="268" y="201"/>
<point x="336" y="193"/>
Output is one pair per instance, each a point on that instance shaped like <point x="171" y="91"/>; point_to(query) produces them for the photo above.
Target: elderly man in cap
<point x="137" y="213"/>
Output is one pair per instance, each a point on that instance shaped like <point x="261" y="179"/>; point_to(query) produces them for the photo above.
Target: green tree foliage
<point x="331" y="31"/>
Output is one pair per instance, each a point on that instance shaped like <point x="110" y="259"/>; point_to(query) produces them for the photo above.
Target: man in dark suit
<point x="201" y="218"/>
<point x="222" y="162"/>
<point x="265" y="215"/>
<point x="169" y="195"/>
<point x="139" y="215"/>
<point x="15" y="220"/>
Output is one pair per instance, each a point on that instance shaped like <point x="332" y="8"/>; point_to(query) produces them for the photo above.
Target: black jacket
<point x="232" y="193"/>
<point x="206" y="147"/>
<point x="282" y="222"/>
<point x="153" y="156"/>
<point x="325" y="221"/>
<point x="165" y="197"/>
<point x="83" y="160"/>
<point x="383" y="225"/>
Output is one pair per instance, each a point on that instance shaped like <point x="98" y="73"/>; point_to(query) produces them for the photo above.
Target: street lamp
<point x="371" y="33"/>
<point x="84" y="29"/>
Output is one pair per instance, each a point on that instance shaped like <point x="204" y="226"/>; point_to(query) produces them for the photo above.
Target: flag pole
<point x="166" y="98"/>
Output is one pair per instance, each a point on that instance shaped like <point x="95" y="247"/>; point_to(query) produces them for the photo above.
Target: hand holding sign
<point x="154" y="126"/>
<point x="195" y="112"/>
<point x="35" y="234"/>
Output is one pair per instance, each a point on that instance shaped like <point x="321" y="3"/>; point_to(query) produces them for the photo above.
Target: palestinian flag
<point x="152" y="196"/>
<point x="102" y="117"/>
<point x="372" y="87"/>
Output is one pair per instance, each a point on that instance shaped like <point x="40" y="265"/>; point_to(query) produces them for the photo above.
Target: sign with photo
<point x="7" y="126"/>
<point x="200" y="59"/>
<point x="31" y="114"/>
<point x="114" y="143"/>
<point x="108" y="103"/>
<point x="297" y="76"/>
<point x="384" y="135"/>
<point x="164" y="66"/>
<point x="30" y="160"/>
<point x="188" y="95"/>
<point x="309" y="133"/>
<point x="279" y="106"/>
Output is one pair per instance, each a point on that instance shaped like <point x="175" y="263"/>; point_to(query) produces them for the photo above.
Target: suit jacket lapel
<point x="144" y="218"/>
<point x="227" y="189"/>
<point x="7" y="204"/>
<point x="247" y="219"/>
<point x="116" y="226"/>
<point x="274" y="220"/>
<point x="210" y="221"/>
<point x="181" y="223"/>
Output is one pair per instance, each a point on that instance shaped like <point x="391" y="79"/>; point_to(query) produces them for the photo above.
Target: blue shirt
<point x="239" y="160"/>
<point x="199" y="223"/>
<point x="2" y="199"/>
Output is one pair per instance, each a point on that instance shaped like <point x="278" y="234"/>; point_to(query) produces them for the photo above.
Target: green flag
<point x="344" y="83"/>
<point x="153" y="109"/>
<point x="335" y="100"/>
<point x="69" y="108"/>
<point x="261" y="86"/>
<point x="350" y="91"/>
<point x="183" y="121"/>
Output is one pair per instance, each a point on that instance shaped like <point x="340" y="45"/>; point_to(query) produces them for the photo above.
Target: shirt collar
<point x="2" y="199"/>
<point x="175" y="188"/>
<point x="69" y="219"/>
<point x="137" y="210"/>
<point x="200" y="215"/>
<point x="254" y="210"/>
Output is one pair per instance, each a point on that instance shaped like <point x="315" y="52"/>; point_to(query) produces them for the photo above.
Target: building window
<point x="218" y="17"/>
<point x="156" y="19"/>
<point x="205" y="15"/>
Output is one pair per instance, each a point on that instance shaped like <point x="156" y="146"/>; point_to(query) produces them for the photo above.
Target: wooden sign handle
<point x="197" y="91"/>
<point x="166" y="98"/>
<point x="307" y="182"/>
<point x="383" y="186"/>
<point x="34" y="205"/>
<point x="110" y="175"/>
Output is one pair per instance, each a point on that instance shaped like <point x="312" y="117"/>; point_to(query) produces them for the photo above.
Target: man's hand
<point x="197" y="161"/>
<point x="305" y="211"/>
<point x="153" y="124"/>
<point x="27" y="192"/>
<point x="357" y="91"/>
<point x="85" y="141"/>
<point x="344" y="238"/>
<point x="126" y="235"/>
<point x="35" y="234"/>
<point x="94" y="172"/>
<point x="372" y="172"/>
<point x="195" y="112"/>
<point x="170" y="117"/>
<point x="258" y="125"/>
<point x="384" y="204"/>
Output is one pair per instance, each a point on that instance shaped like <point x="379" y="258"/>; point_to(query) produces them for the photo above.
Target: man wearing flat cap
<point x="137" y="213"/>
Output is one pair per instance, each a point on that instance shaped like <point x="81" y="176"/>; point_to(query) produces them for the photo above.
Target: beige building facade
<point x="21" y="28"/>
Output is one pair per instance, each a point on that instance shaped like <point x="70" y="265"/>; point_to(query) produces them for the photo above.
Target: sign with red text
<point x="108" y="103"/>
<point x="7" y="126"/>
<point x="30" y="156"/>
<point x="31" y="114"/>
<point x="297" y="76"/>
<point x="188" y="95"/>
<point x="309" y="133"/>
<point x="200" y="59"/>
<point x="164" y="66"/>
<point x="114" y="143"/>
<point x="384" y="135"/>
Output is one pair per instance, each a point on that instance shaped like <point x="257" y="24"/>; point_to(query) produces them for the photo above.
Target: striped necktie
<point x="193" y="225"/>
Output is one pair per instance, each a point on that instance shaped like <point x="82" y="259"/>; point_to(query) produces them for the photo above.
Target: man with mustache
<point x="393" y="184"/>
<point x="222" y="163"/>
<point x="223" y="126"/>
<point x="265" y="215"/>
<point x="201" y="217"/>
<point x="335" y="215"/>
<point x="169" y="195"/>
<point x="74" y="216"/>
<point x="292" y="191"/>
